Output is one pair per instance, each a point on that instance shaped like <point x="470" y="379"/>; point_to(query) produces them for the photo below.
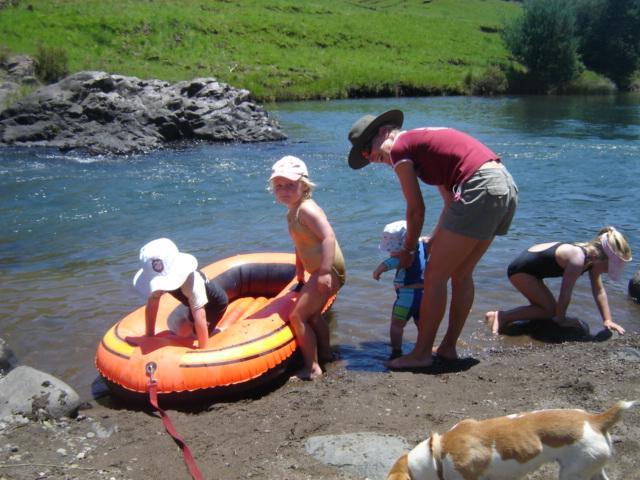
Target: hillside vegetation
<point x="278" y="49"/>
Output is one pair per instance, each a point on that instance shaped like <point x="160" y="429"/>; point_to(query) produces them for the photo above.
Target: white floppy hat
<point x="393" y="236"/>
<point x="163" y="267"/>
<point x="289" y="167"/>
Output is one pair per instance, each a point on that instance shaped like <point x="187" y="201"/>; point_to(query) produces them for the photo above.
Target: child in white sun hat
<point x="165" y="269"/>
<point x="317" y="252"/>
<point x="408" y="282"/>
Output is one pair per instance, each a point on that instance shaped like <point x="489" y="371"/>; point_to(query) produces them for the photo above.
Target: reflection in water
<point x="72" y="226"/>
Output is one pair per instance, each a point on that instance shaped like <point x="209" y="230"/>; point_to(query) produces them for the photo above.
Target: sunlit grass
<point x="278" y="49"/>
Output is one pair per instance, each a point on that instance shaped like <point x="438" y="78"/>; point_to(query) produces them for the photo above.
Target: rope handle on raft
<point x="152" y="385"/>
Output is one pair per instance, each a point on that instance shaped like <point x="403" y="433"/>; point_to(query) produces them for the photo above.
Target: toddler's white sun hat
<point x="163" y="267"/>
<point x="289" y="167"/>
<point x="393" y="236"/>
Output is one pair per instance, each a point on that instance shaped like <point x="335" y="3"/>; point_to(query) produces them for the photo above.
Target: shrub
<point x="543" y="40"/>
<point x="492" y="81"/>
<point x="4" y="53"/>
<point x="51" y="63"/>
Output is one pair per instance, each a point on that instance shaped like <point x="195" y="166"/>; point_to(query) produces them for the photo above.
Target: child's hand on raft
<point x="610" y="325"/>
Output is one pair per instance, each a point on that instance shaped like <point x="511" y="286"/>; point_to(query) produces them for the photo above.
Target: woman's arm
<point x="600" y="297"/>
<point x="415" y="211"/>
<point x="447" y="198"/>
<point x="573" y="259"/>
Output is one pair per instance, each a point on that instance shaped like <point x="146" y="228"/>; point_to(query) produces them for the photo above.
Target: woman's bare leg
<point x="449" y="252"/>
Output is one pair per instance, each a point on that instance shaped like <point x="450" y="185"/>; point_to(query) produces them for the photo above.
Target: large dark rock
<point x="634" y="286"/>
<point x="103" y="113"/>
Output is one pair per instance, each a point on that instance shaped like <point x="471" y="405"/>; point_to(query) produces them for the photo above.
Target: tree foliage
<point x="543" y="39"/>
<point x="609" y="33"/>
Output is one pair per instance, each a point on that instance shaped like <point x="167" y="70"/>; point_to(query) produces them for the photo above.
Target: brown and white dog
<point x="512" y="446"/>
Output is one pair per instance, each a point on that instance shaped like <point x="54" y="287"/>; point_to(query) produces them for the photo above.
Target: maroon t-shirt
<point x="441" y="156"/>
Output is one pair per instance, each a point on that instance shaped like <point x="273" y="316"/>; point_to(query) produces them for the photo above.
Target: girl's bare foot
<point x="306" y="374"/>
<point x="493" y="321"/>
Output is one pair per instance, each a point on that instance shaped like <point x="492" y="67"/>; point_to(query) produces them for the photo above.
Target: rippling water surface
<point x="72" y="225"/>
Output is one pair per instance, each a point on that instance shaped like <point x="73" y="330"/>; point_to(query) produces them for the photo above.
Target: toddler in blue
<point x="408" y="282"/>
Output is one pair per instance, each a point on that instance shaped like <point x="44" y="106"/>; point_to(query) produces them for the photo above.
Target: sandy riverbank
<point x="265" y="437"/>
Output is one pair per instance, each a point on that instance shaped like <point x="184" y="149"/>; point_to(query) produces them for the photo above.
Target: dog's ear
<point x="400" y="469"/>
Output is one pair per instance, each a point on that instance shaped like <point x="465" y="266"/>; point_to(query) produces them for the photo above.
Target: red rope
<point x="188" y="458"/>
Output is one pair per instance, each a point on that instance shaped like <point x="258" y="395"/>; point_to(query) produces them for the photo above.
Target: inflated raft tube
<point x="252" y="343"/>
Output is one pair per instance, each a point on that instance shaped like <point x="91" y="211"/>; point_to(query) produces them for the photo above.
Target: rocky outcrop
<point x="102" y="113"/>
<point x="16" y="72"/>
<point x="634" y="286"/>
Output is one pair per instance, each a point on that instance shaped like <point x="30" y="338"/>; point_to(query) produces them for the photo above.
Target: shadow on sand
<point x="550" y="332"/>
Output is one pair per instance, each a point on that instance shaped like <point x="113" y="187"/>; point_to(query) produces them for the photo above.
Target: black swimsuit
<point x="216" y="305"/>
<point x="540" y="264"/>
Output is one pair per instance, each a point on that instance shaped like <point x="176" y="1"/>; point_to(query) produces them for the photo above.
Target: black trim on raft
<point x="238" y="360"/>
<point x="113" y="352"/>
<point x="197" y="400"/>
<point x="256" y="279"/>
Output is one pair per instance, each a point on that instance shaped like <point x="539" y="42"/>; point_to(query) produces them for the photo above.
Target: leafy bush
<point x="52" y="63"/>
<point x="609" y="32"/>
<point x="4" y="53"/>
<point x="492" y="81"/>
<point x="543" y="40"/>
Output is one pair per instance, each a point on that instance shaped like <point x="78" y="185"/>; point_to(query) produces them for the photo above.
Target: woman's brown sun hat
<point x="363" y="131"/>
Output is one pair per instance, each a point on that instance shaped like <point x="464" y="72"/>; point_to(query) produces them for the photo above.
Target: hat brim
<point x="294" y="177"/>
<point x="147" y="282"/>
<point x="356" y="160"/>
<point x="615" y="267"/>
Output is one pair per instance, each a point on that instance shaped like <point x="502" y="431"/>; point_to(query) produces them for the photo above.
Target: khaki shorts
<point x="487" y="204"/>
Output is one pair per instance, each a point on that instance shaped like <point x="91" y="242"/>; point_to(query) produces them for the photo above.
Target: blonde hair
<point x="617" y="242"/>
<point x="307" y="184"/>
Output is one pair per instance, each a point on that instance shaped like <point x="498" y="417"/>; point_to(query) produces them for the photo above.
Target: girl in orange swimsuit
<point x="317" y="252"/>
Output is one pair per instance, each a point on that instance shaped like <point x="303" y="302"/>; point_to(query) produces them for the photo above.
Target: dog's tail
<point x="605" y="420"/>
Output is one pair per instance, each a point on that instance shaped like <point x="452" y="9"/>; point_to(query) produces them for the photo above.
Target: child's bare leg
<point x="542" y="303"/>
<point x="396" y="330"/>
<point x="309" y="304"/>
<point x="323" y="337"/>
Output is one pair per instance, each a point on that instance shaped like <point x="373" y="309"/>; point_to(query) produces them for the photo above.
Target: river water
<point x="72" y="225"/>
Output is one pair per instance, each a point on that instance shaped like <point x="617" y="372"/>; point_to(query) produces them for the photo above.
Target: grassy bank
<point x="278" y="49"/>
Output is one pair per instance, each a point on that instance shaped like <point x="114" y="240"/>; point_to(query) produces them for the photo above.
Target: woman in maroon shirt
<point x="480" y="199"/>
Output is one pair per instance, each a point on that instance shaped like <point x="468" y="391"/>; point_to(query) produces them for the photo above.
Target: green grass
<point x="277" y="49"/>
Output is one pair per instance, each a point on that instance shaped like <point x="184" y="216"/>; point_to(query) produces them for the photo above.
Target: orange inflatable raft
<point x="252" y="343"/>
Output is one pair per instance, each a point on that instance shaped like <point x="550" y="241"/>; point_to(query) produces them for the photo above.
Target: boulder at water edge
<point x="102" y="113"/>
<point x="31" y="393"/>
<point x="634" y="286"/>
<point x="7" y="358"/>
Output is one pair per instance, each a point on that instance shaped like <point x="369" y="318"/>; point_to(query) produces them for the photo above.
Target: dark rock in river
<point x="634" y="286"/>
<point x="112" y="114"/>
